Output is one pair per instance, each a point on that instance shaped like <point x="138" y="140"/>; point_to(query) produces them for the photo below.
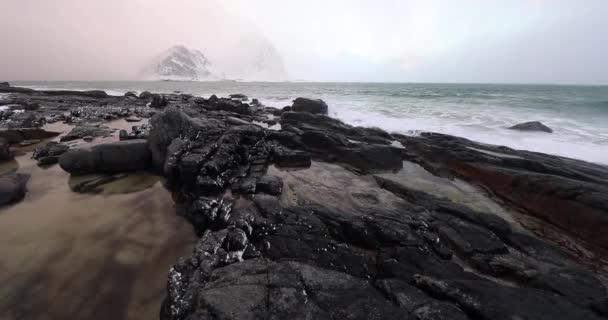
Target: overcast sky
<point x="523" y="41"/>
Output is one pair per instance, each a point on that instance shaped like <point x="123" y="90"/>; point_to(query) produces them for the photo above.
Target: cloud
<point x="364" y="40"/>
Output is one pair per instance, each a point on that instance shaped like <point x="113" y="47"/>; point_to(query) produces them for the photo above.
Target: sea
<point x="578" y="115"/>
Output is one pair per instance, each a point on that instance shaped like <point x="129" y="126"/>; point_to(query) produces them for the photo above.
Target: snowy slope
<point x="180" y="63"/>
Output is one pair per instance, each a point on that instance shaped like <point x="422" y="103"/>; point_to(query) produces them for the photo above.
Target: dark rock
<point x="98" y="94"/>
<point x="5" y="153"/>
<point x="123" y="135"/>
<point x="322" y="140"/>
<point x="234" y="106"/>
<point x="531" y="126"/>
<point x="82" y="131"/>
<point x="5" y="84"/>
<point x="19" y="135"/>
<point x="173" y="123"/>
<point x="158" y="101"/>
<point x="372" y="157"/>
<point x="12" y="187"/>
<point x="145" y="95"/>
<point x="107" y="158"/>
<point x="131" y="94"/>
<point x="235" y="240"/>
<point x="309" y="105"/>
<point x="284" y="157"/>
<point x="27" y="119"/>
<point x="88" y="138"/>
<point x="270" y="184"/>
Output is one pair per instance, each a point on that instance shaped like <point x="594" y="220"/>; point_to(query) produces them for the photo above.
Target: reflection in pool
<point x="104" y="255"/>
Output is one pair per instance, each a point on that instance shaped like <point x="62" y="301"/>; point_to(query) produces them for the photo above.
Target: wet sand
<point x="66" y="255"/>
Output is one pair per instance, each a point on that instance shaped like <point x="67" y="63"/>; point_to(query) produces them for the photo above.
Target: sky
<point x="499" y="41"/>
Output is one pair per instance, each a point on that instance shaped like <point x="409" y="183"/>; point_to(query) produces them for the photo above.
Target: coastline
<point x="322" y="219"/>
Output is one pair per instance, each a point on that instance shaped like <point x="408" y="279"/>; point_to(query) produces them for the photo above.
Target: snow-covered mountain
<point x="251" y="58"/>
<point x="180" y="63"/>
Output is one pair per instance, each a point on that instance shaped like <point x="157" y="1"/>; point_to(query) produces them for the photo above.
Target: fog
<point x="523" y="41"/>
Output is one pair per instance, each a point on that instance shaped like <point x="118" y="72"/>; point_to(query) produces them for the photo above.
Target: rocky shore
<point x="302" y="216"/>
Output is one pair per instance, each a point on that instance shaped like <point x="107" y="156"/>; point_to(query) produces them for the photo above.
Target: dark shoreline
<point x="319" y="219"/>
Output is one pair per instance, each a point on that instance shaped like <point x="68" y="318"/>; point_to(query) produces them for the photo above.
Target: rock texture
<point x="344" y="237"/>
<point x="531" y="126"/>
<point x="107" y="158"/>
<point x="12" y="187"/>
<point x="323" y="220"/>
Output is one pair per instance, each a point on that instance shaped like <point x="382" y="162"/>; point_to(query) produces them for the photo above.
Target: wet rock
<point x="107" y="158"/>
<point x="372" y="157"/>
<point x="531" y="126"/>
<point x="236" y="240"/>
<point x="234" y="106"/>
<point x="12" y="187"/>
<point x="270" y="184"/>
<point x="131" y="94"/>
<point x="309" y="105"/>
<point x="5" y="153"/>
<point x="27" y="119"/>
<point x="98" y="94"/>
<point x="145" y="95"/>
<point x="158" y="101"/>
<point x="285" y="157"/>
<point x="87" y="130"/>
<point x="21" y="134"/>
<point x="173" y="123"/>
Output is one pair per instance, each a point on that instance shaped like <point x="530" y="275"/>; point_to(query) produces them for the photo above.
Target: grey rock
<point x="12" y="187"/>
<point x="532" y="126"/>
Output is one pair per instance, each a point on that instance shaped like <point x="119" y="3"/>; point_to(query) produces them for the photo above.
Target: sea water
<point x="481" y="112"/>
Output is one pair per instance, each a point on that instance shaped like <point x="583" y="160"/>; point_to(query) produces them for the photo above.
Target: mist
<point x="524" y="41"/>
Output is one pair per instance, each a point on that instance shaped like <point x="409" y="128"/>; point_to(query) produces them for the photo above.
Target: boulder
<point x="158" y="101"/>
<point x="145" y="95"/>
<point x="531" y="126"/>
<point x="234" y="106"/>
<point x="4" y="84"/>
<point x="113" y="157"/>
<point x="131" y="94"/>
<point x="12" y="187"/>
<point x="5" y="153"/>
<point x="173" y="123"/>
<point x="309" y="105"/>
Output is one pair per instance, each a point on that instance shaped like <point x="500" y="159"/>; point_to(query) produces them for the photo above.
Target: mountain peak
<point x="179" y="63"/>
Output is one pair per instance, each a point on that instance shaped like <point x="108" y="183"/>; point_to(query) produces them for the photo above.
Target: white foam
<point x="570" y="138"/>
